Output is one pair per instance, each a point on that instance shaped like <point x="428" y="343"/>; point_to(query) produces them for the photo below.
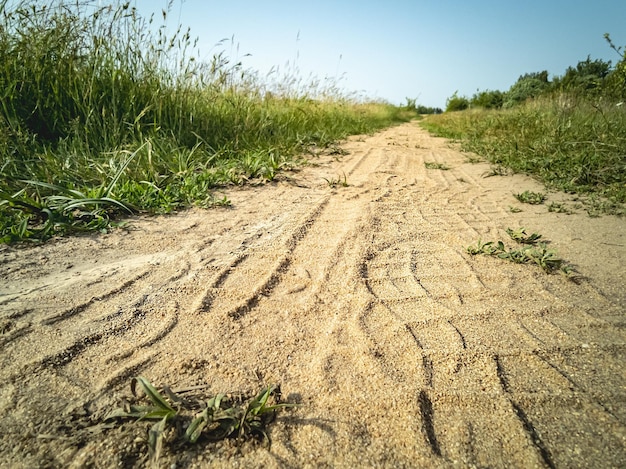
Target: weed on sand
<point x="431" y="165"/>
<point x="531" y="251"/>
<point x="532" y="198"/>
<point x="191" y="420"/>
<point x="337" y="182"/>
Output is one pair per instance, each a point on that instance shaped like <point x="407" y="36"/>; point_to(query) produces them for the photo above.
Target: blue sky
<point x="393" y="49"/>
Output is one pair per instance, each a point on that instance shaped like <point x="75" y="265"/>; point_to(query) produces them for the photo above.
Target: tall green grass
<point x="570" y="143"/>
<point x="104" y="111"/>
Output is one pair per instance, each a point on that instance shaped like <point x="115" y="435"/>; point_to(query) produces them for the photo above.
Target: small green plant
<point x="559" y="208"/>
<point x="531" y="252"/>
<point x="596" y="206"/>
<point x="222" y="416"/>
<point x="158" y="409"/>
<point x="336" y="182"/>
<point x="497" y="170"/>
<point x="513" y="209"/>
<point x="532" y="198"/>
<point x="521" y="237"/>
<point x="336" y="150"/>
<point x="431" y="165"/>
<point x="220" y="421"/>
<point x="474" y="159"/>
<point x="213" y="201"/>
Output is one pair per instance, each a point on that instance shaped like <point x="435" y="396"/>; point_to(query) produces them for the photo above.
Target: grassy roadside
<point x="105" y="112"/>
<point x="571" y="144"/>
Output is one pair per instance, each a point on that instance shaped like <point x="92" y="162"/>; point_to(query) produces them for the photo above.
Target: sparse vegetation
<point x="105" y="112"/>
<point x="474" y="159"/>
<point x="578" y="148"/>
<point x="497" y="170"/>
<point x="432" y="165"/>
<point x="532" y="198"/>
<point x="219" y="417"/>
<point x="559" y="208"/>
<point x="531" y="252"/>
<point x="338" y="181"/>
<point x="520" y="236"/>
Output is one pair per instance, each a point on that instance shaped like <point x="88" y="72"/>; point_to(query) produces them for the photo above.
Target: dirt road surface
<point x="360" y="301"/>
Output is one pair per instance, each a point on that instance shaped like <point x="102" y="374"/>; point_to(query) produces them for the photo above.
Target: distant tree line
<point x="589" y="78"/>
<point x="427" y="110"/>
<point x="421" y="109"/>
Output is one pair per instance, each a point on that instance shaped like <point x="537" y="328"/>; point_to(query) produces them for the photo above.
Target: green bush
<point x="587" y="77"/>
<point x="527" y="86"/>
<point x="488" y="99"/>
<point x="456" y="103"/>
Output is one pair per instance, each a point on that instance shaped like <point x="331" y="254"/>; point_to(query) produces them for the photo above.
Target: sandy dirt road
<point x="361" y="301"/>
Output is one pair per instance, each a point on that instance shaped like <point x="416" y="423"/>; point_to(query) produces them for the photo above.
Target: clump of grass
<point x="596" y="206"/>
<point x="338" y="181"/>
<point x="85" y="87"/>
<point x="520" y="236"/>
<point x="576" y="148"/>
<point x="531" y="252"/>
<point x="497" y="170"/>
<point x="559" y="208"/>
<point x="336" y="150"/>
<point x="532" y="198"/>
<point x="431" y="165"/>
<point x="217" y="418"/>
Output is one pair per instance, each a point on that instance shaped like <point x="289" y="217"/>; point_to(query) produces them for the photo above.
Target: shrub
<point x="527" y="86"/>
<point x="456" y="103"/>
<point x="488" y="99"/>
<point x="586" y="77"/>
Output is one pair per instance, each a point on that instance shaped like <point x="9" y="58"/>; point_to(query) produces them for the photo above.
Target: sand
<point x="360" y="301"/>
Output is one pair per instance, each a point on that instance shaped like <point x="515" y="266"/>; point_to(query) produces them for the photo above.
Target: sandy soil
<point x="361" y="301"/>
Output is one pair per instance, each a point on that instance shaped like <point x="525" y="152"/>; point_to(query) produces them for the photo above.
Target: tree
<point x="586" y="76"/>
<point x="421" y="109"/>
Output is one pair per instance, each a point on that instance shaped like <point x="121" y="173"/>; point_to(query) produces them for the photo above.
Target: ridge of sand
<point x="361" y="301"/>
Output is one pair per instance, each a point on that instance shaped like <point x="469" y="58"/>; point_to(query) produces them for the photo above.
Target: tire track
<point x="226" y="295"/>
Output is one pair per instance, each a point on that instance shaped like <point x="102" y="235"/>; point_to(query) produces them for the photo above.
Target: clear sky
<point x="393" y="49"/>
